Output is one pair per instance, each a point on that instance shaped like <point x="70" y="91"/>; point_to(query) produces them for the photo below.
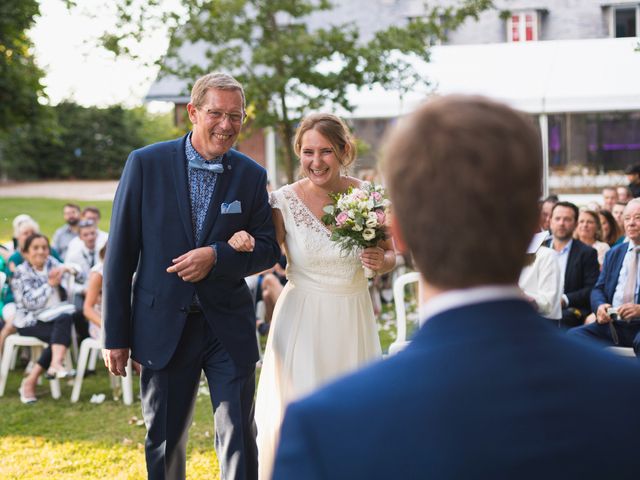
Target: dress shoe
<point x="23" y="398"/>
<point x="59" y="374"/>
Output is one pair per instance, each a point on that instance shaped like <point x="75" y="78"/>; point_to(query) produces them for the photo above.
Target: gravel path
<point x="72" y="190"/>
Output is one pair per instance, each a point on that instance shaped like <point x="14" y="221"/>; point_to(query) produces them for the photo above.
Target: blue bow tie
<point x="199" y="164"/>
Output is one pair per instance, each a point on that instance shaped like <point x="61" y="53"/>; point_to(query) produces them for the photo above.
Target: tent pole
<point x="544" y="139"/>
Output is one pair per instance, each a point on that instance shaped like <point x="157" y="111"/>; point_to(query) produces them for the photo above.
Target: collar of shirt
<point x="631" y="246"/>
<point x="466" y="296"/>
<point x="192" y="154"/>
<point x="566" y="248"/>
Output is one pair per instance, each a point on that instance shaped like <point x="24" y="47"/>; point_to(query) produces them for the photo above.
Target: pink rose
<point x="376" y="196"/>
<point x="341" y="218"/>
<point x="381" y="216"/>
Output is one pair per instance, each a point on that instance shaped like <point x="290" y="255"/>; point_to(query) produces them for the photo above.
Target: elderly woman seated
<point x="41" y="311"/>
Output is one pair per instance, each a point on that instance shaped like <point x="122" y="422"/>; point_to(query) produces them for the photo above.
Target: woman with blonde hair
<point x="323" y="323"/>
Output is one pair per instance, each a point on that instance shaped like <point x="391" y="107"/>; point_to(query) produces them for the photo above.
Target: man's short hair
<point x="464" y="174"/>
<point x="72" y="205"/>
<point x="572" y="206"/>
<point x="94" y="210"/>
<point x="610" y="189"/>
<point x="632" y="170"/>
<point x="217" y="81"/>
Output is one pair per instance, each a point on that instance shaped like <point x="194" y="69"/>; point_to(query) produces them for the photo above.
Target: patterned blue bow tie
<point x="199" y="164"/>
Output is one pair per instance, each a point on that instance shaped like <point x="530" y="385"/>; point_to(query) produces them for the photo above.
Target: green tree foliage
<point x="282" y="63"/>
<point x="19" y="76"/>
<point x="70" y="141"/>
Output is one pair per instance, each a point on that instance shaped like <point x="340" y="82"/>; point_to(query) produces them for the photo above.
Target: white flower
<point x="357" y="227"/>
<point x="372" y="220"/>
<point x="369" y="234"/>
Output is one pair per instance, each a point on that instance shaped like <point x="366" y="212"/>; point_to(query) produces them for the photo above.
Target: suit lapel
<point x="222" y="185"/>
<point x="179" y="165"/>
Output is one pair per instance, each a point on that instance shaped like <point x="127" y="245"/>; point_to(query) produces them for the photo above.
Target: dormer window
<point x="523" y="26"/>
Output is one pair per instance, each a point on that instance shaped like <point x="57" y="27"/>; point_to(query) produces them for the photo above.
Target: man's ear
<point x="398" y="239"/>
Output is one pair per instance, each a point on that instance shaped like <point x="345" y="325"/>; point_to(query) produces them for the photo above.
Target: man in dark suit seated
<point x="487" y="388"/>
<point x="615" y="296"/>
<point x="578" y="264"/>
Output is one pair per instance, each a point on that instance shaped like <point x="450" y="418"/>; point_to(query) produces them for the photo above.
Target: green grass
<point x="46" y="211"/>
<point x="58" y="439"/>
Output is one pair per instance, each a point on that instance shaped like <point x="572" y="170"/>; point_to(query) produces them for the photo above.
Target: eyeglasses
<point x="218" y="116"/>
<point x="86" y="223"/>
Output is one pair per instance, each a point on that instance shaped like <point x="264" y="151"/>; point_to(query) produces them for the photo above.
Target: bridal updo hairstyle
<point x="334" y="130"/>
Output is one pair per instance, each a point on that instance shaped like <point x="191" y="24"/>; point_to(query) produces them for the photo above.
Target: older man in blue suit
<point x="487" y="389"/>
<point x="615" y="295"/>
<point x="183" y="211"/>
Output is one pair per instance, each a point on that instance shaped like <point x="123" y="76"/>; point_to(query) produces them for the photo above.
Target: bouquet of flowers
<point x="358" y="218"/>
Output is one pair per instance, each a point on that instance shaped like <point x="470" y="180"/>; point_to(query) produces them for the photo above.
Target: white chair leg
<point x="5" y="365"/>
<point x="127" y="385"/>
<point x="81" y="367"/>
<point x="14" y="357"/>
<point x="93" y="358"/>
<point x="54" y="385"/>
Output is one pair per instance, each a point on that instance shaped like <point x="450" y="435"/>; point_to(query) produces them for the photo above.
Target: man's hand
<point x="116" y="360"/>
<point x="627" y="311"/>
<point x="601" y="314"/>
<point x="194" y="265"/>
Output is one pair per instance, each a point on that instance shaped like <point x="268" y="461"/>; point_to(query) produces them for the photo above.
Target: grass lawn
<point x="46" y="211"/>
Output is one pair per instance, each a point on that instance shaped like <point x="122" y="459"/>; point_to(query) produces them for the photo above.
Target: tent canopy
<point x="592" y="75"/>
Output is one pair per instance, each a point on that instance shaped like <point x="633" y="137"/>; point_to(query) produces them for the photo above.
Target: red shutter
<point x="529" y="27"/>
<point x="515" y="28"/>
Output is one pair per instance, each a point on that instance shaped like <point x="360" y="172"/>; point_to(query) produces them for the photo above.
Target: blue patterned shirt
<point x="202" y="183"/>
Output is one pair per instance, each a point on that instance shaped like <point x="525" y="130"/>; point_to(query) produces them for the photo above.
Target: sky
<point x="76" y="69"/>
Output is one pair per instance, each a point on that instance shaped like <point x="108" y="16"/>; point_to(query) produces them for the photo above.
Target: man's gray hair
<point x="218" y="81"/>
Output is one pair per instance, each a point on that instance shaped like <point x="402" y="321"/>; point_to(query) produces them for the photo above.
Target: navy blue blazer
<point x="487" y="391"/>
<point x="607" y="282"/>
<point x="151" y="224"/>
<point x="580" y="275"/>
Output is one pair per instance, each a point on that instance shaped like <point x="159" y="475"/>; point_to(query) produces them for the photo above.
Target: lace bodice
<point x="311" y="256"/>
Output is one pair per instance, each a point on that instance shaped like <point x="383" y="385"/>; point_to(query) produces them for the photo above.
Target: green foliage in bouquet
<point x="358" y="217"/>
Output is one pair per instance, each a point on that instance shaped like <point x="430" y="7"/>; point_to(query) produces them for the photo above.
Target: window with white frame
<point x="624" y="20"/>
<point x="523" y="26"/>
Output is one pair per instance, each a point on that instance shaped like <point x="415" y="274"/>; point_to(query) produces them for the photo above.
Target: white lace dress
<point x="323" y="324"/>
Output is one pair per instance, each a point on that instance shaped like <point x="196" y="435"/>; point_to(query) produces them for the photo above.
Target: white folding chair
<point x="11" y="346"/>
<point x="399" y="286"/>
<point x="89" y="349"/>
<point x="622" y="351"/>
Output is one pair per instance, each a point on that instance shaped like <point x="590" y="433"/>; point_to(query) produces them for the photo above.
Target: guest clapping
<point x="36" y="285"/>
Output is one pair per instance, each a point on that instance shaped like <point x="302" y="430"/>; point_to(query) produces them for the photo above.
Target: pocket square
<point x="233" y="207"/>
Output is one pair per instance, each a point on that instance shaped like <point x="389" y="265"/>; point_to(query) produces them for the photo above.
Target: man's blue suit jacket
<point x="607" y="282"/>
<point x="487" y="391"/>
<point x="151" y="225"/>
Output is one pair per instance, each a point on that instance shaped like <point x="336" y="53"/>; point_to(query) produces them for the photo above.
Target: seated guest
<point x="624" y="195"/>
<point x="578" y="265"/>
<point x="92" y="306"/>
<point x="88" y="214"/>
<point x="25" y="229"/>
<point x="611" y="232"/>
<point x="617" y="288"/>
<point x="546" y="206"/>
<point x="633" y="177"/>
<point x="617" y="212"/>
<point x="67" y="232"/>
<point x="609" y="198"/>
<point x="86" y="257"/>
<point x="589" y="232"/>
<point x="486" y="389"/>
<point x="270" y="285"/>
<point x="40" y="311"/>
<point x="540" y="280"/>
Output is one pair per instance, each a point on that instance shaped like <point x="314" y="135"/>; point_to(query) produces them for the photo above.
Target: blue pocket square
<point x="233" y="207"/>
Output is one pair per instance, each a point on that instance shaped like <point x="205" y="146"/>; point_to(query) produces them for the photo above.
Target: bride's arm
<point x="278" y="223"/>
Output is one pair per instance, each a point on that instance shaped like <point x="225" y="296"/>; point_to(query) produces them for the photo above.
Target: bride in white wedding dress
<point x="323" y="323"/>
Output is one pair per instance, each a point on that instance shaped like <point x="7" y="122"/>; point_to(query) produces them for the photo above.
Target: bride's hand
<point x="242" y="242"/>
<point x="373" y="258"/>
